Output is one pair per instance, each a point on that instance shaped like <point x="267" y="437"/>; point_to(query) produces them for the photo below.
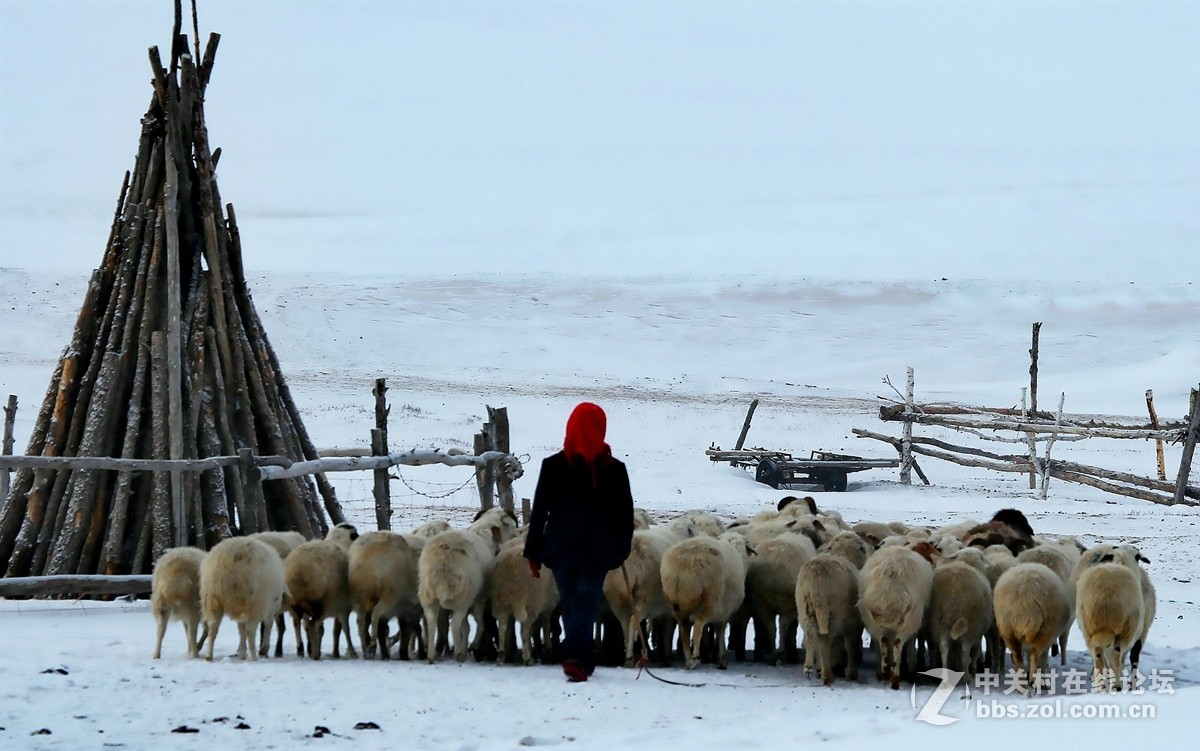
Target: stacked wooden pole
<point x="168" y="360"/>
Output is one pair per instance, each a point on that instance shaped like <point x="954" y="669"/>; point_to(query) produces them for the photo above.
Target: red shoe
<point x="574" y="671"/>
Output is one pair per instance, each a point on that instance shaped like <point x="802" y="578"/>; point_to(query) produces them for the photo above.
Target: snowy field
<point x="670" y="209"/>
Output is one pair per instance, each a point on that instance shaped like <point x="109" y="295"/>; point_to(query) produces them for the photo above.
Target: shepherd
<point x="581" y="528"/>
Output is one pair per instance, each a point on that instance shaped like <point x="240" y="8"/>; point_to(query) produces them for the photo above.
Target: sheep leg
<point x="1118" y="661"/>
<point x="823" y="646"/>
<point x="502" y="626"/>
<point x="264" y="643"/>
<point x="298" y="628"/>
<point x="241" y="650"/>
<point x="765" y="649"/>
<point x="161" y="619"/>
<point x="528" y="628"/>
<point x="315" y="627"/>
<point x="722" y="657"/>
<point x="431" y="623"/>
<point x="459" y="627"/>
<point x="897" y="655"/>
<point x="1062" y="646"/>
<point x="944" y="650"/>
<point x="697" y="636"/>
<point x="885" y="653"/>
<point x="211" y="625"/>
<point x="968" y="664"/>
<point x="366" y="619"/>
<point x="1135" y="658"/>
<point x="191" y="626"/>
<point x="788" y="631"/>
<point x="381" y="640"/>
<point x="251" y="646"/>
<point x="852" y="647"/>
<point x="279" y="639"/>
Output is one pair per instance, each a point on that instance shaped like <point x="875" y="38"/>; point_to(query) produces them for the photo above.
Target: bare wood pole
<point x="906" y="456"/>
<point x="483" y="477"/>
<point x="1049" y="445"/>
<point x="173" y="339"/>
<point x="526" y="510"/>
<point x="1031" y="437"/>
<point x="741" y="441"/>
<point x="379" y="447"/>
<point x="1158" y="442"/>
<point x="1189" y="449"/>
<point x="498" y="417"/>
<point x="10" y="418"/>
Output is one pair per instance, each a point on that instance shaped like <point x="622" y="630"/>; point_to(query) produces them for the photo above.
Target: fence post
<point x="499" y="420"/>
<point x="906" y="456"/>
<point x="379" y="447"/>
<point x="741" y="441"/>
<point x="1158" y="442"/>
<point x="252" y="491"/>
<point x="485" y="475"/>
<point x="1189" y="448"/>
<point x="10" y="417"/>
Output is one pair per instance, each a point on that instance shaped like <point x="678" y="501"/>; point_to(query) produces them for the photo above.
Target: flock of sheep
<point x="959" y="596"/>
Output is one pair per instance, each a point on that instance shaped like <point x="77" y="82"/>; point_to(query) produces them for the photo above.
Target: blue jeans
<point x="579" y="592"/>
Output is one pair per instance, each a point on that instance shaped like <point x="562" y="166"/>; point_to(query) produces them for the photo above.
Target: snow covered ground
<point x="668" y="208"/>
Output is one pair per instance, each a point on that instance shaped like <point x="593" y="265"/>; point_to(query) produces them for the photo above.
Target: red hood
<point x="585" y="433"/>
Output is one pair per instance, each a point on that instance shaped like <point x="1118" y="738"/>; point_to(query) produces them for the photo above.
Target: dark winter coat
<point x="581" y="519"/>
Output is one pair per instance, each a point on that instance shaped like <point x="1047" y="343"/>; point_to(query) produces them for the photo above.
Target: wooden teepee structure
<point x="168" y="360"/>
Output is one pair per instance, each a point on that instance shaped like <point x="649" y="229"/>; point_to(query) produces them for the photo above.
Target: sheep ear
<point x="750" y="549"/>
<point x="1142" y="558"/>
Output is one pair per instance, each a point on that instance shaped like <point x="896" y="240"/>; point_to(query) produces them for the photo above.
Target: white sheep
<point x="1059" y="560"/>
<point x="1149" y="609"/>
<point x="518" y="599"/>
<point x="1111" y="610"/>
<point x="452" y="576"/>
<point x="705" y="522"/>
<point x="318" y="581"/>
<point x="826" y="595"/>
<point x="872" y="533"/>
<point x="960" y="613"/>
<point x="771" y="592"/>
<point x="704" y="580"/>
<point x="431" y="529"/>
<point x="243" y="579"/>
<point x="634" y="590"/>
<point x="850" y="546"/>
<point x="282" y="542"/>
<point x="894" y="591"/>
<point x="382" y="576"/>
<point x="175" y="595"/>
<point x="1032" y="607"/>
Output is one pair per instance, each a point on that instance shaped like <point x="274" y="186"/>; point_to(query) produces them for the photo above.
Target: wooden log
<point x="1109" y="487"/>
<point x="212" y="485"/>
<point x="1158" y="442"/>
<point x="906" y="434"/>
<point x="1031" y="440"/>
<point x="895" y="413"/>
<point x="498" y="418"/>
<point x="895" y="443"/>
<point x="173" y="339"/>
<point x="1189" y="449"/>
<point x="1033" y="367"/>
<point x="251" y="478"/>
<point x="741" y="441"/>
<point x="483" y="480"/>
<point x="116" y="546"/>
<point x="1024" y="426"/>
<point x="414" y="458"/>
<point x="6" y="448"/>
<point x="162" y="516"/>
<point x="1050" y="445"/>
<point x="97" y="440"/>
<point x="241" y="511"/>
<point x="15" y="502"/>
<point x="526" y="510"/>
<point x="79" y="586"/>
<point x="383" y="500"/>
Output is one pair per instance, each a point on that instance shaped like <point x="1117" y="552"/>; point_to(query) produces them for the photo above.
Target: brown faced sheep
<point x="243" y="579"/>
<point x="175" y="594"/>
<point x="1008" y="527"/>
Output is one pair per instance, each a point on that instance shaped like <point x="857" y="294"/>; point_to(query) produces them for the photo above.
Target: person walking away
<point x="581" y="528"/>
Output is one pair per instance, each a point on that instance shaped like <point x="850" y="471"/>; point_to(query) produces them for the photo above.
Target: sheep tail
<point x="958" y="629"/>
<point x="819" y="613"/>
